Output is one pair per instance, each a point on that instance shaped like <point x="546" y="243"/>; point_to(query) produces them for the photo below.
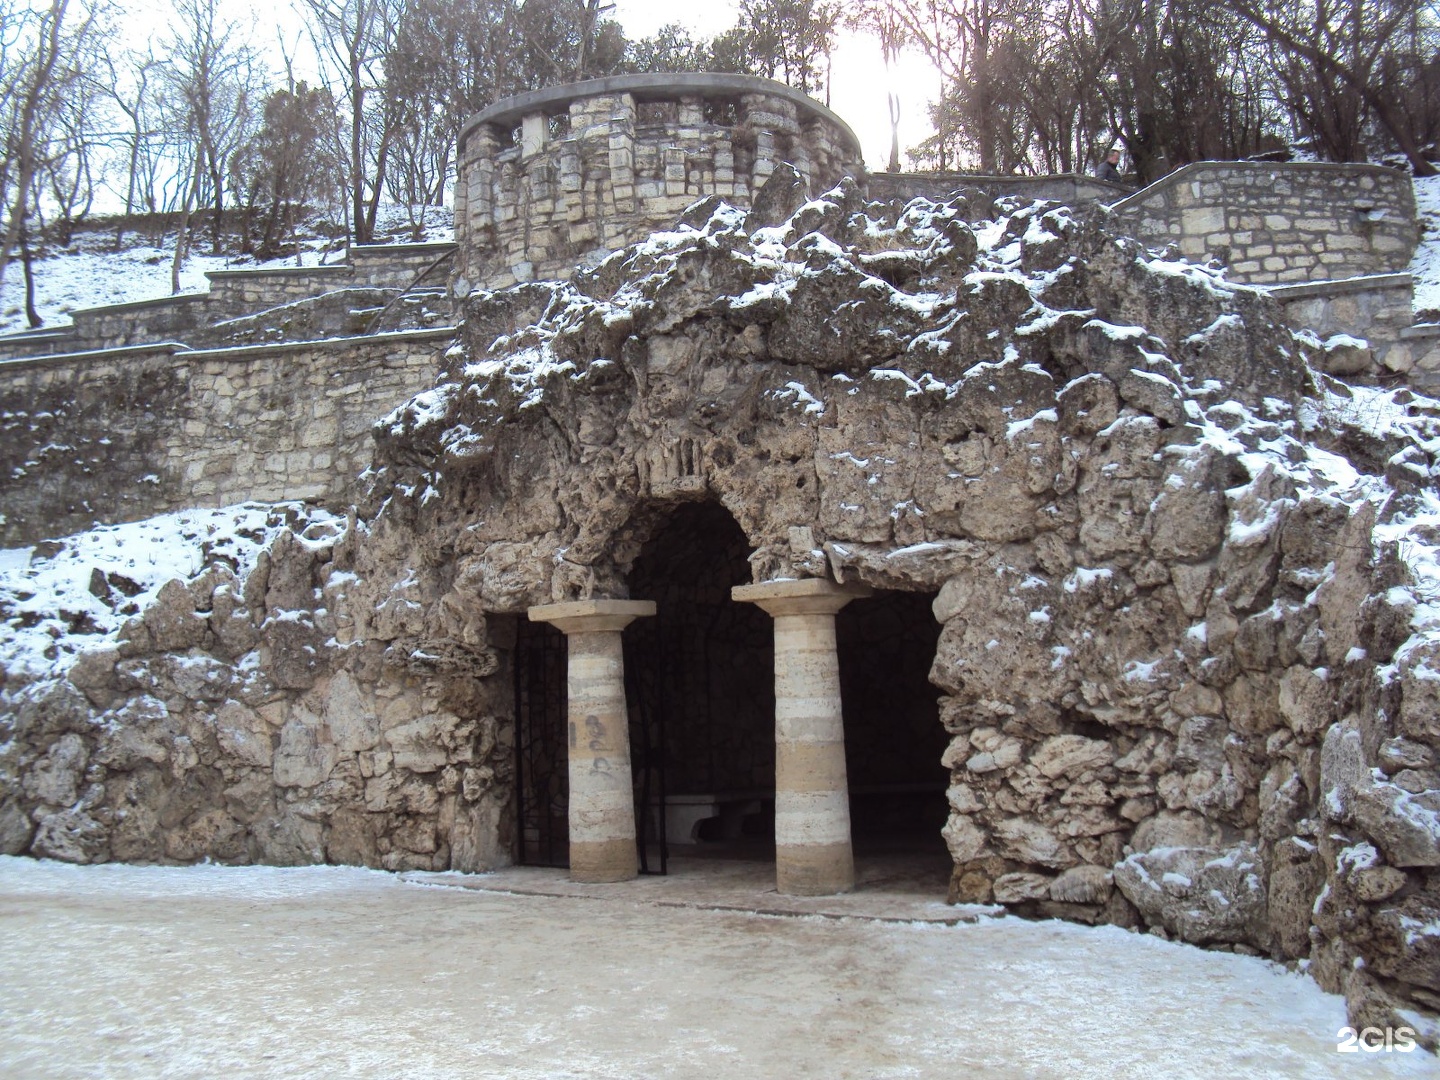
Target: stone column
<point x="812" y="798"/>
<point x="602" y="797"/>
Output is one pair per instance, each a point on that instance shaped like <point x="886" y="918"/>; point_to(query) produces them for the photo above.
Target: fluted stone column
<point x="602" y="797"/>
<point x="813" y="856"/>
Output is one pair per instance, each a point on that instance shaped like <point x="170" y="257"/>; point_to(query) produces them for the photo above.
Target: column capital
<point x="582" y="616"/>
<point x="799" y="596"/>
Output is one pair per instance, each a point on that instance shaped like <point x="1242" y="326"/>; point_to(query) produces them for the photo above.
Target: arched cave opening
<point x="700" y="687"/>
<point x="893" y="737"/>
<point x="700" y="677"/>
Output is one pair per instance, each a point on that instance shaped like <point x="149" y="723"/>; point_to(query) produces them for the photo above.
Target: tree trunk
<point x="25" y="140"/>
<point x="182" y="234"/>
<point x="894" y="102"/>
<point x="31" y="315"/>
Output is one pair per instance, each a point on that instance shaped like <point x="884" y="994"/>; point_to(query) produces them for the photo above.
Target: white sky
<point x="858" y="78"/>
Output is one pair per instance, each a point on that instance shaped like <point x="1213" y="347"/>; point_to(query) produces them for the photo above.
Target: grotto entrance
<point x="893" y="738"/>
<point x="701" y="695"/>
<point x="699" y="707"/>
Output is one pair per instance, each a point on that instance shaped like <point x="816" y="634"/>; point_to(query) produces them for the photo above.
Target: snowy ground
<point x="91" y="274"/>
<point x="253" y="971"/>
<point x="1426" y="265"/>
<point x="49" y="607"/>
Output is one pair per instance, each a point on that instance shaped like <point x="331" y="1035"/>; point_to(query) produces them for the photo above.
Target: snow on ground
<point x="91" y="274"/>
<point x="1426" y="265"/>
<point x="259" y="971"/>
<point x="53" y="606"/>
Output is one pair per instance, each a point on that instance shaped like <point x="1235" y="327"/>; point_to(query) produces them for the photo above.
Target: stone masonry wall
<point x="1281" y="223"/>
<point x="1069" y="188"/>
<point x="607" y="169"/>
<point x="396" y="265"/>
<point x="232" y="293"/>
<point x="116" y="326"/>
<point x="124" y="434"/>
<point x="1357" y="328"/>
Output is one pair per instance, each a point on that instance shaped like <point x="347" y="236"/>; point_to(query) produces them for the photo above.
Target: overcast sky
<point x="858" y="80"/>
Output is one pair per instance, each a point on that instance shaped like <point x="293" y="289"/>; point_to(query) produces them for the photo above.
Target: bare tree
<point x="962" y="37"/>
<point x="131" y="89"/>
<point x="353" y="39"/>
<point x="1047" y="85"/>
<point x="1347" y="44"/>
<point x="45" y="53"/>
<point x="210" y="69"/>
<point x="77" y="139"/>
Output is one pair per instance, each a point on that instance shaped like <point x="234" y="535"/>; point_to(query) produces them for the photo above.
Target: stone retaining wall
<point x="1360" y="323"/>
<point x="232" y="293"/>
<point x="559" y="177"/>
<point x="1280" y="223"/>
<point x="396" y="266"/>
<point x="124" y="434"/>
<point x="1070" y="188"/>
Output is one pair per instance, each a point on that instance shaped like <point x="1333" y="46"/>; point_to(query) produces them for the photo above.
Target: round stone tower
<point x="561" y="176"/>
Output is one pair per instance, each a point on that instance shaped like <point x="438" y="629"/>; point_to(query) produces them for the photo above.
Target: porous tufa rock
<point x="1199" y="895"/>
<point x="1168" y="559"/>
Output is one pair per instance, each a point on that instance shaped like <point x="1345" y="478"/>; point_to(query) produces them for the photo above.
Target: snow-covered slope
<point x="91" y="274"/>
<point x="64" y="596"/>
<point x="1425" y="267"/>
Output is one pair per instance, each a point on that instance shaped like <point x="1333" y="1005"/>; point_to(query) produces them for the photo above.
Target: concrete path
<point x="210" y="971"/>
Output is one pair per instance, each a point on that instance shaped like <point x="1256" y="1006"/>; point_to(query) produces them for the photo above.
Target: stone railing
<point x="1070" y="188"/>
<point x="123" y="434"/>
<point x="1377" y="312"/>
<point x="232" y="293"/>
<point x="554" y="178"/>
<point x="1280" y="223"/>
<point x="396" y="266"/>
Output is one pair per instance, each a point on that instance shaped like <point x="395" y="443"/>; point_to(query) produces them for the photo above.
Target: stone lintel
<point x="799" y="596"/>
<point x="583" y="616"/>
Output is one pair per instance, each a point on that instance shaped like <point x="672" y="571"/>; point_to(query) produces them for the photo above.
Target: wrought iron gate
<point x="645" y="663"/>
<point x="542" y="781"/>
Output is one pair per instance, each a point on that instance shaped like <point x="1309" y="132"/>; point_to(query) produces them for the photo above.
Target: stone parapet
<point x="42" y="342"/>
<point x="1074" y="189"/>
<point x="1373" y="310"/>
<point x="117" y="326"/>
<point x="232" y="293"/>
<point x="560" y="177"/>
<point x="395" y="266"/>
<point x="235" y="291"/>
<point x="1276" y="224"/>
<point x="123" y="434"/>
